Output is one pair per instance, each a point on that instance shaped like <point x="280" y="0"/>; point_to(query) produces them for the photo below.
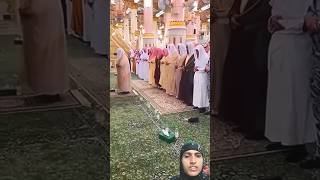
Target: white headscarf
<point x="182" y="49"/>
<point x="203" y="58"/>
<point x="120" y="53"/>
<point x="144" y="56"/>
<point x="172" y="49"/>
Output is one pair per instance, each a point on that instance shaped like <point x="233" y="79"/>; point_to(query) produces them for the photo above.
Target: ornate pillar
<point x="177" y="27"/>
<point x="134" y="26"/>
<point x="167" y="19"/>
<point x="149" y="36"/>
<point x="193" y="27"/>
<point x="126" y="32"/>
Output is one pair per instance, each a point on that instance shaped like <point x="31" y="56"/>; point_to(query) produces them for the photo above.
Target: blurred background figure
<point x="123" y="72"/>
<point x="45" y="64"/>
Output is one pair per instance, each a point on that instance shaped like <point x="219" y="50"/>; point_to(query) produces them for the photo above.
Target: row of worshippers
<point x="181" y="71"/>
<point x="263" y="66"/>
<point x="87" y="20"/>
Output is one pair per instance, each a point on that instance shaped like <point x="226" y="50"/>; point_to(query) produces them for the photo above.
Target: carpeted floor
<point x="269" y="165"/>
<point x="137" y="152"/>
<point x="227" y="143"/>
<point x="65" y="144"/>
<point x="159" y="99"/>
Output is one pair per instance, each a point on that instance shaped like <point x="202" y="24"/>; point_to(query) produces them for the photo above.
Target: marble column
<point x="149" y="35"/>
<point x="134" y="26"/>
<point x="126" y="32"/>
<point x="177" y="27"/>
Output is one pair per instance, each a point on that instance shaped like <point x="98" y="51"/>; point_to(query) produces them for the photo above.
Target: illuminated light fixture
<point x="160" y="36"/>
<point x="121" y="20"/>
<point x="194" y="9"/>
<point x="147" y="3"/>
<point x="136" y="1"/>
<point x="208" y="20"/>
<point x="195" y="4"/>
<point x="205" y="7"/>
<point x="159" y="13"/>
<point x="128" y="11"/>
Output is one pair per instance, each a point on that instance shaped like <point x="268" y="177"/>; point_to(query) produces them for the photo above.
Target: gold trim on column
<point x="177" y="23"/>
<point x="190" y="37"/>
<point x="149" y="36"/>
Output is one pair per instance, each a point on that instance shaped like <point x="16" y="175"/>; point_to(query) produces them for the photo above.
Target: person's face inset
<point x="192" y="162"/>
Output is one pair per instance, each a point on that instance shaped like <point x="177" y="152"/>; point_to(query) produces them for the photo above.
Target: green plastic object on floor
<point x="169" y="139"/>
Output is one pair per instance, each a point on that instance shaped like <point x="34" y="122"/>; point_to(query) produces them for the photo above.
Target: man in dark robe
<point x="245" y="76"/>
<point x="157" y="72"/>
<point x="186" y="83"/>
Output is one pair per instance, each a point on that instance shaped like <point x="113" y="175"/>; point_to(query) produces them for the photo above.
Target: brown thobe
<point x="163" y="73"/>
<point x="178" y="73"/>
<point x="152" y="67"/>
<point x="77" y="17"/>
<point x="221" y="38"/>
<point x="171" y="69"/>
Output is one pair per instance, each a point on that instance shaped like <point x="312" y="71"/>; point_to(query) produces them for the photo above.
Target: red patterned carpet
<point x="164" y="103"/>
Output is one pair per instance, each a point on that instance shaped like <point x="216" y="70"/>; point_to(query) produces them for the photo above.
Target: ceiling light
<point x="159" y="13"/>
<point x="194" y="9"/>
<point x="195" y="3"/>
<point x="128" y="11"/>
<point x="205" y="7"/>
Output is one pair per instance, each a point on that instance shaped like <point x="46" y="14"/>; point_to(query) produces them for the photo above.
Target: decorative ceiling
<point x="118" y="10"/>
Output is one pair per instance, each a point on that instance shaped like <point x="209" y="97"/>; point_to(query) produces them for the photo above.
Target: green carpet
<point x="136" y="152"/>
<point x="10" y="56"/>
<point x="52" y="145"/>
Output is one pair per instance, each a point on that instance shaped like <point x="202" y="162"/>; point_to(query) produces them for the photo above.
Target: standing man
<point x="289" y="117"/>
<point x="311" y="25"/>
<point x="221" y="37"/>
<point x="45" y="63"/>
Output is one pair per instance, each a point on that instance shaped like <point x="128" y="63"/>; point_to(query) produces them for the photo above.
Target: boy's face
<point x="192" y="162"/>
